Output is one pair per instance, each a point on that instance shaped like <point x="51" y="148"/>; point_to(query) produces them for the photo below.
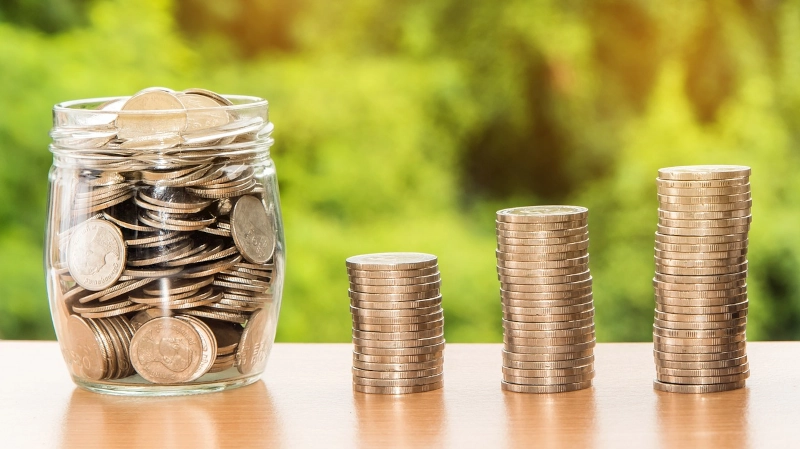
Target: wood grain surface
<point x="306" y="400"/>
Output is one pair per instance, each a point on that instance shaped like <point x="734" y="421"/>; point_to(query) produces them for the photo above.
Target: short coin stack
<point x="398" y="323"/>
<point x="701" y="278"/>
<point x="546" y="291"/>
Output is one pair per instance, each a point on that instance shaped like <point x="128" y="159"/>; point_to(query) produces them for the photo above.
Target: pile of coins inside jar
<point x="546" y="293"/>
<point x="398" y="323"/>
<point x="701" y="278"/>
<point x="165" y="258"/>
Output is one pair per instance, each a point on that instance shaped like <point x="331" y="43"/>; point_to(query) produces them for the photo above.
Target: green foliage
<point x="405" y="125"/>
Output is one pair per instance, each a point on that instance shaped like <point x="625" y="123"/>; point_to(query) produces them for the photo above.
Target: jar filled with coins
<point x="164" y="249"/>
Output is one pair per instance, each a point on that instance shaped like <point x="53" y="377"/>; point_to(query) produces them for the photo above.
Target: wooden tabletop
<point x="306" y="400"/>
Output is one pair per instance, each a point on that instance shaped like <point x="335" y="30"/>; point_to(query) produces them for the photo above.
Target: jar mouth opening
<point x="89" y="106"/>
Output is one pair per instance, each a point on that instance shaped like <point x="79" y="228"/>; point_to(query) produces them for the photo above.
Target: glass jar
<point x="164" y="250"/>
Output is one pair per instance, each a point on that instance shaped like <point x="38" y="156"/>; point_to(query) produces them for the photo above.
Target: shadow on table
<point x="717" y="420"/>
<point x="565" y="420"/>
<point x="401" y="421"/>
<point x="240" y="417"/>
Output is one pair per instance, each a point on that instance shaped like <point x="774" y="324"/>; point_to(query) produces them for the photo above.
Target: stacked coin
<point x="179" y="251"/>
<point x="546" y="293"/>
<point x="398" y="323"/>
<point x="701" y="278"/>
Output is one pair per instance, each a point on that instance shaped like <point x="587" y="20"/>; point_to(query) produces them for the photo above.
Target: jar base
<point x="154" y="390"/>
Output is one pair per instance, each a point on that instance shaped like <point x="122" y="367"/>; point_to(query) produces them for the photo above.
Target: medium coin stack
<point x="701" y="278"/>
<point x="179" y="254"/>
<point x="546" y="293"/>
<point x="398" y="323"/>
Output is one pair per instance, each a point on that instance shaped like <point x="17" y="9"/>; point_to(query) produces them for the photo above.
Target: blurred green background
<point x="404" y="125"/>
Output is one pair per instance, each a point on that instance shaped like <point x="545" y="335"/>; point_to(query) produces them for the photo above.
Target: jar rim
<point x="83" y="106"/>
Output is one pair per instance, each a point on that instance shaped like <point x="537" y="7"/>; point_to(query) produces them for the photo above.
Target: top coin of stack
<point x="398" y="323"/>
<point x="546" y="292"/>
<point x="701" y="278"/>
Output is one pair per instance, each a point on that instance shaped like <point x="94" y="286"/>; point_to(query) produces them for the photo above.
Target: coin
<point x="698" y="334"/>
<point x="136" y="119"/>
<point x="704" y="380"/>
<point x="543" y="234"/>
<point x="697" y="389"/>
<point x="398" y="289"/>
<point x="85" y="354"/>
<point x="700" y="365"/>
<point x="703" y="200"/>
<point x="251" y="230"/>
<point x="253" y="348"/>
<point x="167" y="350"/>
<point x="392" y="274"/>
<point x="415" y="304"/>
<point x="406" y="351"/>
<point x="725" y="371"/>
<point x="704" y="191"/>
<point x="703" y="172"/>
<point x="547" y="248"/>
<point x="396" y="374"/>
<point x="699" y="357"/>
<point x="543" y="213"/>
<point x="539" y="227"/>
<point x="707" y="183"/>
<point x="398" y="389"/>
<point x="510" y="354"/>
<point x="96" y="254"/>
<point x="547" y="326"/>
<point x="395" y="281"/>
<point x="406" y="344"/>
<point x="570" y="239"/>
<point x="548" y="381"/>
<point x="502" y="271"/>
<point x="398" y="359"/>
<point x="391" y="261"/>
<point x="401" y="382"/>
<point x="545" y="389"/>
<point x="511" y="362"/>
<point x="401" y="367"/>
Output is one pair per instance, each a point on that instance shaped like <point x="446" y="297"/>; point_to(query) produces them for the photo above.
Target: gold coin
<point x="396" y="375"/>
<point x="423" y="280"/>
<point x="166" y="350"/>
<point x="704" y="380"/>
<point x="545" y="389"/>
<point x="397" y="390"/>
<point x="547" y="365"/>
<point x="697" y="389"/>
<point x="703" y="172"/>
<point x="391" y="261"/>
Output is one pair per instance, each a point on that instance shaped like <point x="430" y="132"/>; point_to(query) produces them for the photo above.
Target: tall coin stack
<point x="701" y="278"/>
<point x="398" y="323"/>
<point x="546" y="292"/>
